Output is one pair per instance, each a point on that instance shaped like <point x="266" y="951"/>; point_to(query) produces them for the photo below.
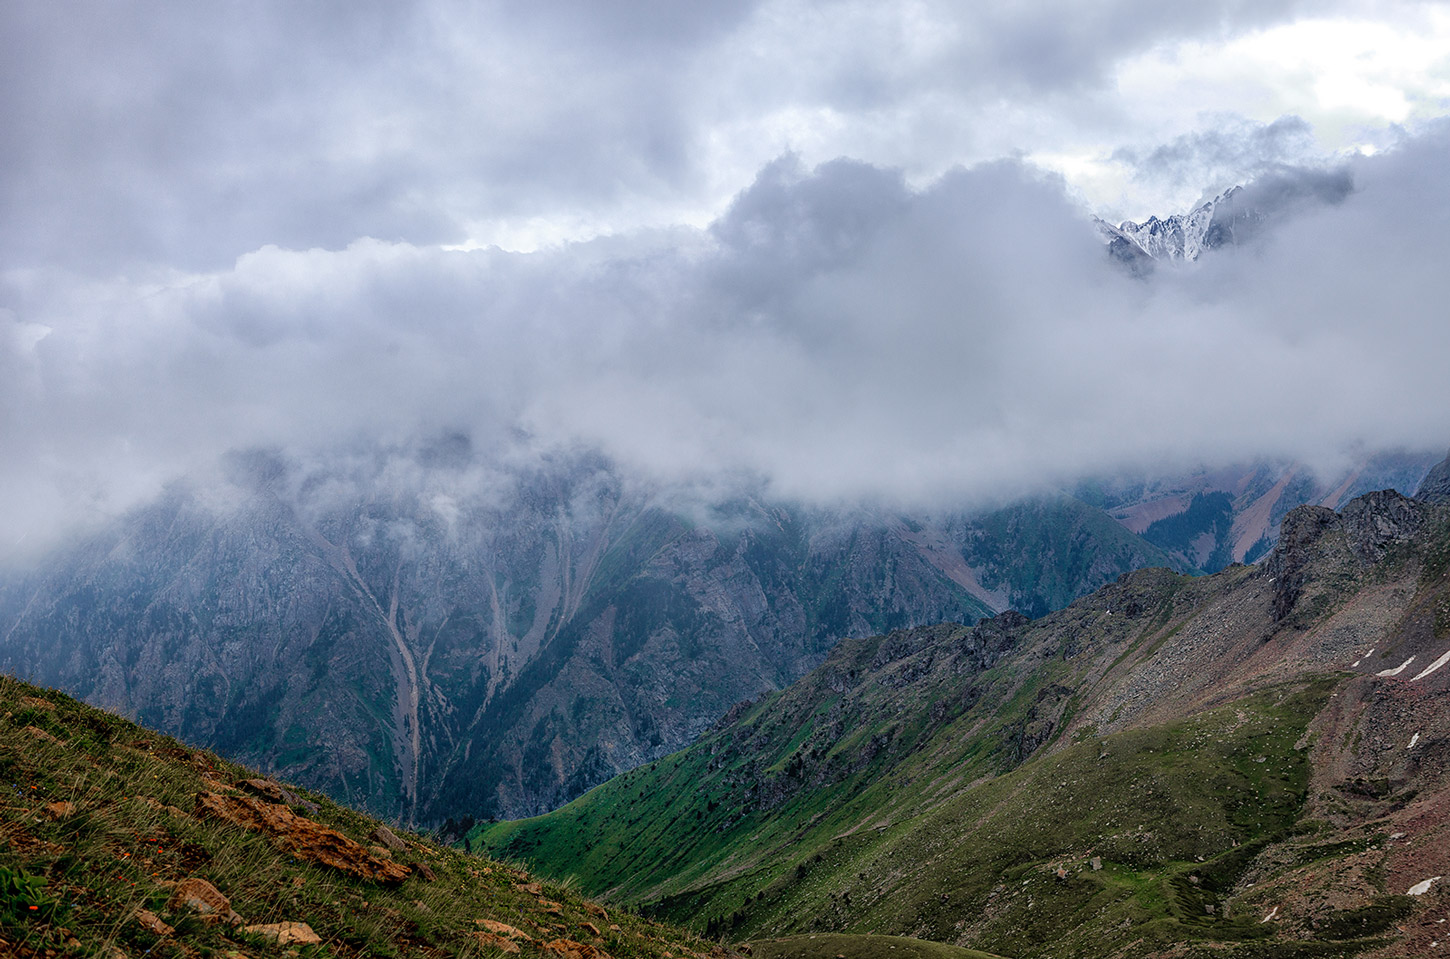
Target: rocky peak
<point x="1221" y="221"/>
<point x="1370" y="524"/>
<point x="1377" y="521"/>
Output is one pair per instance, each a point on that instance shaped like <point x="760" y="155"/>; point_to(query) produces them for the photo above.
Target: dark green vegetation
<point x="100" y="821"/>
<point x="1168" y="762"/>
<point x="1208" y="515"/>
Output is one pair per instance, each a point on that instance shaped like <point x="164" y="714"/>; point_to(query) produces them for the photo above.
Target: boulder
<point x="204" y="899"/>
<point x="386" y="837"/>
<point x="569" y="949"/>
<point x="497" y="942"/>
<point x="284" y="933"/>
<point x="152" y="923"/>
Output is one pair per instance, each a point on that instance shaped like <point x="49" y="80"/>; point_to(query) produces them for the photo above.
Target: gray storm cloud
<point x="836" y="335"/>
<point x="146" y="132"/>
<point x="241" y="226"/>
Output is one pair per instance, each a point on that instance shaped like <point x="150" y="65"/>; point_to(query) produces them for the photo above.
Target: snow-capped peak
<point x="1184" y="236"/>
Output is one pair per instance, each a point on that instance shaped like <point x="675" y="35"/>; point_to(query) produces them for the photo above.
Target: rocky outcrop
<point x="1376" y="522"/>
<point x="302" y="837"/>
<point x="1287" y="566"/>
<point x="1370" y="526"/>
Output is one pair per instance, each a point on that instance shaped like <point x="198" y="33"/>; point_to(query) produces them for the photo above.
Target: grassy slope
<point x="883" y="794"/>
<point x="73" y="879"/>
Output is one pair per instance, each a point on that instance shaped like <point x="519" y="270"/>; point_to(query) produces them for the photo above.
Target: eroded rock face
<point x="301" y="836"/>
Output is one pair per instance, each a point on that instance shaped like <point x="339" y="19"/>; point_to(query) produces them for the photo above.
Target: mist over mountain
<point x="661" y="474"/>
<point x="449" y="652"/>
<point x="836" y="336"/>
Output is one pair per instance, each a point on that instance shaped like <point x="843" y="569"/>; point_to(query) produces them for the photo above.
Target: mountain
<point x="434" y="655"/>
<point x="1254" y="763"/>
<point x="1185" y="236"/>
<point x="121" y="842"/>
<point x="1209" y="518"/>
<point x="1234" y="217"/>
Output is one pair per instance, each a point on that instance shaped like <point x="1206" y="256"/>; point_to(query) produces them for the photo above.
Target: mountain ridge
<point x="1253" y="724"/>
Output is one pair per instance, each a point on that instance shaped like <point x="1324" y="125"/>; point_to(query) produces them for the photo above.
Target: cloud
<point x="1228" y="153"/>
<point x="835" y="336"/>
<point x="151" y="133"/>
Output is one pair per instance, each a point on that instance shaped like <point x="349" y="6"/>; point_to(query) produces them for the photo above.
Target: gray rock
<point x="1435" y="488"/>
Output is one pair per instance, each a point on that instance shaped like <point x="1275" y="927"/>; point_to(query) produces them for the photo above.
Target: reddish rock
<point x="152" y="923"/>
<point x="590" y="928"/>
<point x="569" y="949"/>
<point x="274" y="791"/>
<point x="204" y="899"/>
<point x="60" y="810"/>
<point x="532" y="888"/>
<point x="504" y="929"/>
<point x="301" y="837"/>
<point x="283" y="933"/>
<point x="498" y="942"/>
<point x="423" y="869"/>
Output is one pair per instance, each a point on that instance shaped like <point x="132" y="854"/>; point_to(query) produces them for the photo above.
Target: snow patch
<point x="1413" y="739"/>
<point x="1272" y="913"/>
<point x="1361" y="659"/>
<point x="1433" y="666"/>
<point x="1420" y="888"/>
<point x="1397" y="670"/>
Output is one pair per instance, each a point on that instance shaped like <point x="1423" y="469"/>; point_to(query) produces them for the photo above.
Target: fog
<point x="264" y="230"/>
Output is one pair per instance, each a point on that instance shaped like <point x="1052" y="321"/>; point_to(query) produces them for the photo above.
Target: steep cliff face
<point x="435" y="656"/>
<point x="1251" y="763"/>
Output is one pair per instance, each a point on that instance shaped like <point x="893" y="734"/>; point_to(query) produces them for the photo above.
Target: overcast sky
<point x="840" y="249"/>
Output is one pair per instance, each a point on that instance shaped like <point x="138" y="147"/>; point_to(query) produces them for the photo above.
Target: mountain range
<point x="435" y="637"/>
<point x="1252" y="763"/>
<point x="502" y="658"/>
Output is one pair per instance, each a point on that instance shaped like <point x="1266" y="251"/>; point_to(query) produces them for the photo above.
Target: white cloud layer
<point x="264" y="224"/>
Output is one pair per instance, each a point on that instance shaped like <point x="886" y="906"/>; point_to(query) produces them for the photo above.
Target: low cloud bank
<point x="835" y="337"/>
